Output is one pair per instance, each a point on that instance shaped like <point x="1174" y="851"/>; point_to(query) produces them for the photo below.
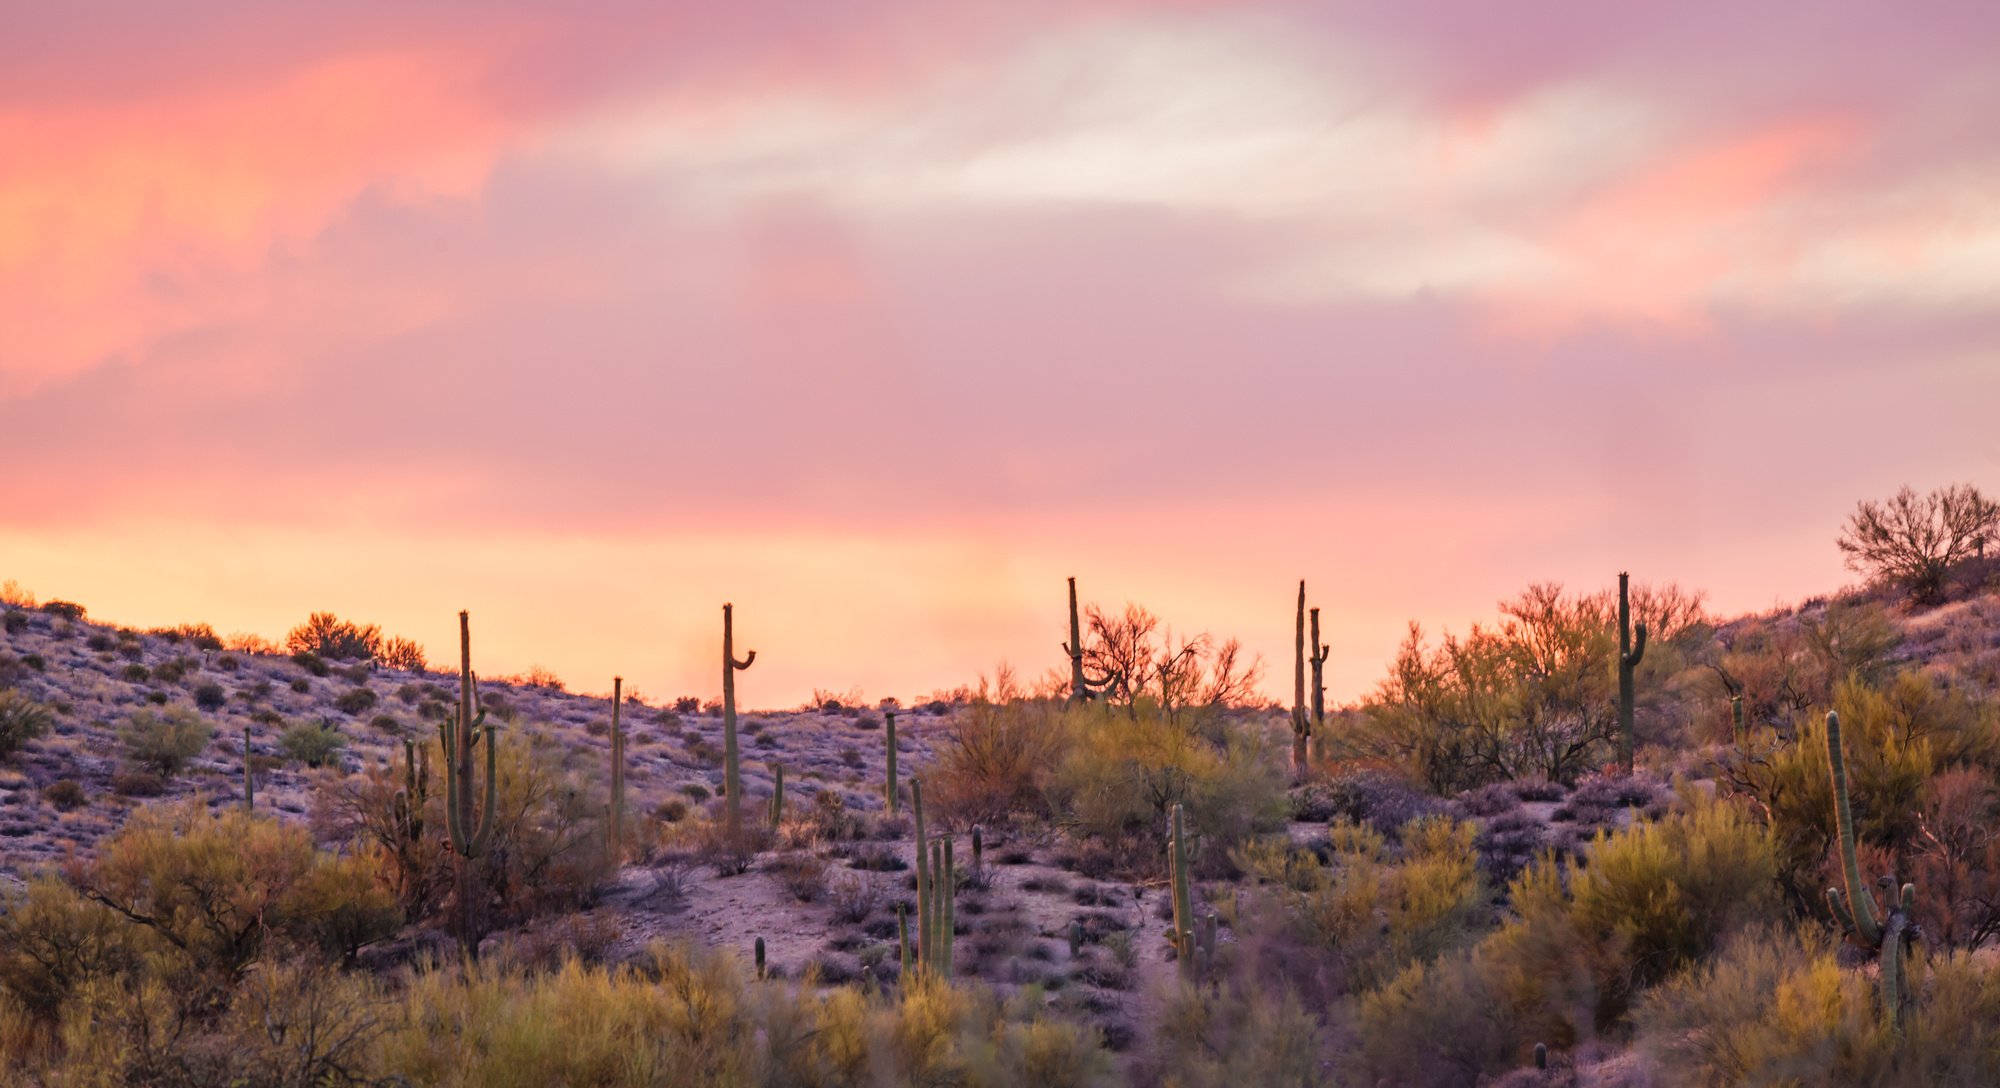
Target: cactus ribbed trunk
<point x="777" y="794"/>
<point x="1079" y="688"/>
<point x="249" y="786"/>
<point x="1177" y="874"/>
<point x="1301" y="725"/>
<point x="1629" y="653"/>
<point x="617" y="829"/>
<point x="732" y="780"/>
<point x="889" y="786"/>
<point x="1857" y="912"/>
<point x="470" y="827"/>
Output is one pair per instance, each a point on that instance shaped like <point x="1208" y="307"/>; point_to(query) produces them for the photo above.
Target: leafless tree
<point x="1913" y="540"/>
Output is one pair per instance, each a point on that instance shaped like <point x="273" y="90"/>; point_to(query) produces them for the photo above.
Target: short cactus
<point x="1075" y="939"/>
<point x="759" y="951"/>
<point x="1629" y="653"/>
<point x="1890" y="937"/>
<point x="1736" y="720"/>
<point x="1541" y="1055"/>
<point x="732" y="781"/>
<point x="978" y="854"/>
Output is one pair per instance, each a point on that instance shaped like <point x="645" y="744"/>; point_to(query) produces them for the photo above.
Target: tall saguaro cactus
<point x="732" y="780"/>
<point x="1629" y="653"/>
<point x="1320" y="652"/>
<point x="249" y="783"/>
<point x="889" y="784"/>
<point x="470" y="828"/>
<point x="1082" y="688"/>
<point x="1301" y="724"/>
<point x="1889" y="937"/>
<point x="1183" y="937"/>
<point x="617" y="820"/>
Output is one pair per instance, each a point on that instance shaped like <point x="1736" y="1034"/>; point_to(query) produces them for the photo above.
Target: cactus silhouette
<point x="616" y="830"/>
<point x="470" y="826"/>
<point x="1082" y="688"/>
<point x="889" y="775"/>
<point x="731" y="779"/>
<point x="1629" y="653"/>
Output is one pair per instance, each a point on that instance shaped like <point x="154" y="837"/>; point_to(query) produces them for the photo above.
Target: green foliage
<point x="217" y="888"/>
<point x="163" y="742"/>
<point x="994" y="759"/>
<point x="1534" y="696"/>
<point x="22" y="719"/>
<point x="355" y="701"/>
<point x="1237" y="1036"/>
<point x="312" y="745"/>
<point x="1653" y="899"/>
<point x="1779" y="1009"/>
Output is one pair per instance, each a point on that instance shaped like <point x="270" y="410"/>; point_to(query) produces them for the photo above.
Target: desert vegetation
<point x="1607" y="839"/>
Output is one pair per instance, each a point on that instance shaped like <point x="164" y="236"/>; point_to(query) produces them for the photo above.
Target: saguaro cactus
<point x="1736" y="720"/>
<point x="903" y="939"/>
<point x="1082" y="688"/>
<point x="470" y="827"/>
<point x="249" y="785"/>
<point x="1629" y="653"/>
<point x="759" y="949"/>
<point x="408" y="803"/>
<point x="1891" y="937"/>
<point x="732" y="781"/>
<point x="1182" y="937"/>
<point x="777" y="794"/>
<point x="937" y="888"/>
<point x="1301" y="724"/>
<point x="889" y="783"/>
<point x="616" y="824"/>
<point x="1321" y="651"/>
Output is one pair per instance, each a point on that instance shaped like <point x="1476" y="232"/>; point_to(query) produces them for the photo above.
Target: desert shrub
<point x="1122" y="773"/>
<point x="216" y="888"/>
<point x="1653" y="899"/>
<point x="1363" y="914"/>
<point x="138" y="784"/>
<point x="22" y="719"/>
<point x="312" y="745"/>
<point x="66" y="794"/>
<point x="695" y="792"/>
<point x="995" y="756"/>
<point x="170" y="672"/>
<point x="67" y="610"/>
<point x="135" y="674"/>
<point x="210" y="696"/>
<point x="546" y="848"/>
<point x="801" y="874"/>
<point x="855" y="897"/>
<point x="671" y="811"/>
<point x="163" y="742"/>
<point x="14" y="621"/>
<point x="401" y="654"/>
<point x="355" y="701"/>
<point x="52" y="941"/>
<point x="312" y="663"/>
<point x="1441" y="1023"/>
<point x="1238" y="1036"/>
<point x="326" y="635"/>
<point x="1531" y="697"/>
<point x="1779" y="1009"/>
<point x="1384" y="800"/>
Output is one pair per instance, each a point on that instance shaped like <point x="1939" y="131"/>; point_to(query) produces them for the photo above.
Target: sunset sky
<point x="880" y="317"/>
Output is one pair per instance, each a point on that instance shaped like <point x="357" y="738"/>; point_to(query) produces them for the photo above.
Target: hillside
<point x="1068" y="910"/>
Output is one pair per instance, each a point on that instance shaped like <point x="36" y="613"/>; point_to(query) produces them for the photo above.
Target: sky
<point x="881" y="318"/>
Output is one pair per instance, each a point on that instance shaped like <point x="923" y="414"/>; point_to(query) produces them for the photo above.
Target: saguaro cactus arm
<point x="1629" y="653"/>
<point x="470" y="830"/>
<point x="1182" y="937"/>
<point x="1862" y="913"/>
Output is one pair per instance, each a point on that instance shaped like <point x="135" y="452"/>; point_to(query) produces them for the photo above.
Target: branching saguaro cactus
<point x="1629" y="653"/>
<point x="1892" y="937"/>
<point x="732" y="781"/>
<point x="1321" y="651"/>
<point x="1183" y="937"/>
<point x="889" y="775"/>
<point x="1301" y="723"/>
<point x="1082" y="688"/>
<point x="470" y="827"/>
<point x="937" y="888"/>
<point x="615" y="826"/>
